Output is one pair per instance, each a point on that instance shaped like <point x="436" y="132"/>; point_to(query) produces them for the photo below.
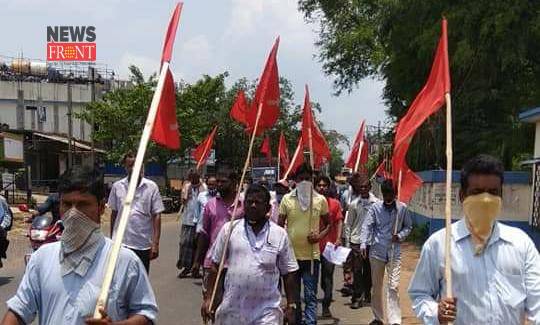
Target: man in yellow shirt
<point x="302" y="210"/>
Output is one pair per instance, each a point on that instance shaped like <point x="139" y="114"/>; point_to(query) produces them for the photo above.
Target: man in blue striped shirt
<point x="495" y="267"/>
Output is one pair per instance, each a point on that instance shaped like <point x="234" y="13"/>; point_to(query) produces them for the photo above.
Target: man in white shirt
<point x="144" y="224"/>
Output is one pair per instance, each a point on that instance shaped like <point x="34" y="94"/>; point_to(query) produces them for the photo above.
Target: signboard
<point x="8" y="181"/>
<point x="270" y="173"/>
<point x="12" y="147"/>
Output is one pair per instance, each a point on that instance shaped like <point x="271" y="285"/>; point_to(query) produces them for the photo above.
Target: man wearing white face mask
<point x="62" y="281"/>
<point x="495" y="267"/>
<point x="304" y="232"/>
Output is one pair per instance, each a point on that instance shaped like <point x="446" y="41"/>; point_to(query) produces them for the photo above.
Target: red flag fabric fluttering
<point x="265" y="149"/>
<point x="165" y="131"/>
<point x="297" y="159"/>
<point x="171" y="34"/>
<point x="381" y="170"/>
<point x="201" y="153"/>
<point x="353" y="156"/>
<point x="321" y="151"/>
<point x="283" y="153"/>
<point x="240" y="108"/>
<point x="266" y="95"/>
<point x="427" y="102"/>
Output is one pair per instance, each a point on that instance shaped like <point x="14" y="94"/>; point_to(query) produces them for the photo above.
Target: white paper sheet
<point x="336" y="255"/>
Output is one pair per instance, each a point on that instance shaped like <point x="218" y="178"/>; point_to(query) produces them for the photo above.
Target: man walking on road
<point x="217" y="212"/>
<point x="259" y="253"/>
<point x="187" y="246"/>
<point x="361" y="267"/>
<point x="144" y="224"/>
<point x="304" y="210"/>
<point x="334" y="236"/>
<point x="62" y="280"/>
<point x="380" y="230"/>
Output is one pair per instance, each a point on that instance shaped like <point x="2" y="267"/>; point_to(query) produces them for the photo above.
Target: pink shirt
<point x="216" y="214"/>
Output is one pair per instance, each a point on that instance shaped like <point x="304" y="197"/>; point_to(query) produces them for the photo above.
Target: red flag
<point x="297" y="158"/>
<point x="381" y="170"/>
<point x="321" y="151"/>
<point x="265" y="149"/>
<point x="171" y="34"/>
<point x="165" y="130"/>
<point x="201" y="153"/>
<point x="410" y="182"/>
<point x="353" y="156"/>
<point x="240" y="108"/>
<point x="267" y="95"/>
<point x="427" y="102"/>
<point x="283" y="153"/>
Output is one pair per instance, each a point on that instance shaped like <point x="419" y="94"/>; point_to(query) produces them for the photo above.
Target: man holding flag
<point x="496" y="268"/>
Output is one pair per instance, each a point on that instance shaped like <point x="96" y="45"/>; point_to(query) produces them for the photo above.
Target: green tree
<point x="494" y="64"/>
<point x="119" y="118"/>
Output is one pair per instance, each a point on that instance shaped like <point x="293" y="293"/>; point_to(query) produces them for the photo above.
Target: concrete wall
<point x="51" y="95"/>
<point x="537" y="140"/>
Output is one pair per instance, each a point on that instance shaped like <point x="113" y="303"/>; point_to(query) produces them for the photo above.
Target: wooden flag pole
<point x="394" y="231"/>
<point x="357" y="163"/>
<point x="448" y="203"/>
<point x="126" y="208"/>
<point x="312" y="164"/>
<point x="295" y="156"/>
<point x="229" y="232"/>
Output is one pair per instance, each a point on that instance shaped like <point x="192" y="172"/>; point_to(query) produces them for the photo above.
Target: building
<point x="40" y="106"/>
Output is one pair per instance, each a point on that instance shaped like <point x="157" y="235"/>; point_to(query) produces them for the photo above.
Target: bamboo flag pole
<point x="312" y="163"/>
<point x="126" y="208"/>
<point x="229" y="232"/>
<point x="448" y="203"/>
<point x="394" y="231"/>
<point x="297" y="152"/>
<point x="357" y="163"/>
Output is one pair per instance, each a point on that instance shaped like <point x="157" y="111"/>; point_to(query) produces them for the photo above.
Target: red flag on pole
<point x="283" y="153"/>
<point x="165" y="130"/>
<point x="353" y="156"/>
<point x="265" y="149"/>
<point x="427" y="102"/>
<point x="201" y="153"/>
<point x="240" y="108"/>
<point x="321" y="151"/>
<point x="171" y="34"/>
<point x="297" y="158"/>
<point x="381" y="170"/>
<point x="267" y="95"/>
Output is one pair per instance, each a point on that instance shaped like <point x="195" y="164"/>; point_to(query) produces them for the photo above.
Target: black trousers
<point x="361" y="274"/>
<point x="327" y="280"/>
<point x="144" y="256"/>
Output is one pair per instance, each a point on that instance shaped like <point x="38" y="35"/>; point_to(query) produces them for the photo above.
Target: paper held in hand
<point x="336" y="255"/>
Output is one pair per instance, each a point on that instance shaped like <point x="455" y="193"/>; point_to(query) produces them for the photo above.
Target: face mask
<point x="213" y="192"/>
<point x="303" y="192"/>
<point x="480" y="213"/>
<point x="77" y="228"/>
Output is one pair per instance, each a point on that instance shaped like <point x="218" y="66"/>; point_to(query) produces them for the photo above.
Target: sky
<point x="213" y="36"/>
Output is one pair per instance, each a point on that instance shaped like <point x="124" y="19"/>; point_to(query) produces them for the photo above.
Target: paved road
<point x="178" y="300"/>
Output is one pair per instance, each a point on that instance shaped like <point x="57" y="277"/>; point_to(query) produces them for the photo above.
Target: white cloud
<point x="146" y="64"/>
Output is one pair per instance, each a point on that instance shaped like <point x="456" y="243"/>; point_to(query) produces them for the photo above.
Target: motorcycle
<point x="42" y="231"/>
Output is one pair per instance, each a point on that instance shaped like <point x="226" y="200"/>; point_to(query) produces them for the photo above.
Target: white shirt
<point x="255" y="263"/>
<point x="146" y="204"/>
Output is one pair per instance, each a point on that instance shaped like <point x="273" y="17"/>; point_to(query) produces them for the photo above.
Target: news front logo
<point x="71" y="43"/>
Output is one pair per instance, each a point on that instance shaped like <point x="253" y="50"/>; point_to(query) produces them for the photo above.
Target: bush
<point x="419" y="234"/>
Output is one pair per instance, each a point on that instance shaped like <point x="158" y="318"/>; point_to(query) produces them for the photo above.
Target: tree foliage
<point x="495" y="71"/>
<point x="119" y="118"/>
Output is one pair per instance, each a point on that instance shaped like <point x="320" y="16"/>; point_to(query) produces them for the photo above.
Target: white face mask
<point x="480" y="213"/>
<point x="303" y="192"/>
<point x="77" y="228"/>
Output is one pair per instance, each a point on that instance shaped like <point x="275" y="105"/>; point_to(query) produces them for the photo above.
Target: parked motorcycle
<point x="42" y="231"/>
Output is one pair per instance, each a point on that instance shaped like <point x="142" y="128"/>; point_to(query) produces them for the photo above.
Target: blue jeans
<point x="309" y="280"/>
